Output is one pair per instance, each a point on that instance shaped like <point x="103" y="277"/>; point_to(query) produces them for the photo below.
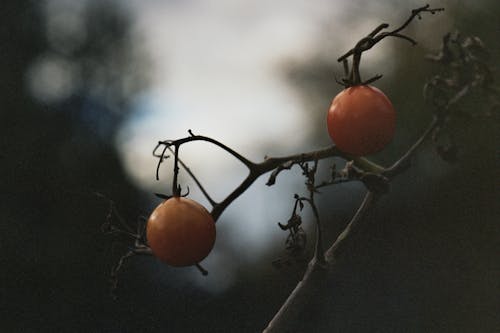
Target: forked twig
<point x="374" y="37"/>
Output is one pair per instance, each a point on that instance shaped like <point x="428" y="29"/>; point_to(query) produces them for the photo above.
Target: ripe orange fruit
<point x="180" y="232"/>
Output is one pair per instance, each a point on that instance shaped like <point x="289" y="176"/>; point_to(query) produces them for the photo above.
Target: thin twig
<point x="196" y="180"/>
<point x="310" y="174"/>
<point x="404" y="161"/>
<point x="366" y="204"/>
<point x="168" y="143"/>
<point x="315" y="273"/>
<point x="366" y="43"/>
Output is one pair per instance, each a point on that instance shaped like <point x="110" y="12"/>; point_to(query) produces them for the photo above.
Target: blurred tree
<point x="69" y="73"/>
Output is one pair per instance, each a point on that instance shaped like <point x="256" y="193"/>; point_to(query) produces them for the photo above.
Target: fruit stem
<point x="176" y="190"/>
<point x="355" y="78"/>
<point x="367" y="165"/>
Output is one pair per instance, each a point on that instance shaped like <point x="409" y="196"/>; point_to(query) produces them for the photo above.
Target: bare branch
<point x="309" y="288"/>
<point x="256" y="169"/>
<point x="404" y="161"/>
<point x="366" y="204"/>
<point x="168" y="143"/>
<point x="366" y="43"/>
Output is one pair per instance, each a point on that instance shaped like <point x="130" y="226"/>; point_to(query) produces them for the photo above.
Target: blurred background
<point x="89" y="87"/>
